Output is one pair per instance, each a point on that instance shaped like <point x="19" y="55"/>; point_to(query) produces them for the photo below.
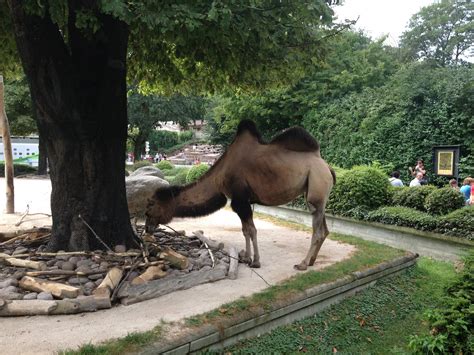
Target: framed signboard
<point x="446" y="160"/>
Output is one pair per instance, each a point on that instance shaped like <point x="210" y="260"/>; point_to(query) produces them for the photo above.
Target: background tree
<point x="76" y="56"/>
<point x="442" y="33"/>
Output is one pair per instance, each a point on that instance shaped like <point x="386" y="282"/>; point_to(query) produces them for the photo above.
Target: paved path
<point x="280" y="249"/>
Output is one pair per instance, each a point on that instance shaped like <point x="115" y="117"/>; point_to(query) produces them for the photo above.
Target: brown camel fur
<point x="252" y="171"/>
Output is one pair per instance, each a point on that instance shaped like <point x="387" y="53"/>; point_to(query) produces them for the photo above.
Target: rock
<point x="120" y="249"/>
<point x="10" y="295"/>
<point x="132" y="275"/>
<point x="74" y="260"/>
<point x="139" y="189"/>
<point x="20" y="250"/>
<point x="53" y="267"/>
<point x="95" y="277"/>
<point x="8" y="282"/>
<point x="9" y="289"/>
<point x="90" y="285"/>
<point x="66" y="265"/>
<point x="83" y="268"/>
<point x="84" y="262"/>
<point x="148" y="171"/>
<point x="94" y="266"/>
<point x="78" y="280"/>
<point x="51" y="262"/>
<point x="58" y="263"/>
<point x="45" y="296"/>
<point x="30" y="296"/>
<point x="62" y="257"/>
<point x="18" y="274"/>
<point x="104" y="265"/>
<point x="206" y="268"/>
<point x="99" y="281"/>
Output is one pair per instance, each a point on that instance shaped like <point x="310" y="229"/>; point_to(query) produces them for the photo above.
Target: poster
<point x="445" y="163"/>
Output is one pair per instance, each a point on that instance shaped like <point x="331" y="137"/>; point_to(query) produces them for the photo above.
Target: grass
<point x="378" y="320"/>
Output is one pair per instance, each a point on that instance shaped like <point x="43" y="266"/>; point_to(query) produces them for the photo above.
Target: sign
<point x="446" y="160"/>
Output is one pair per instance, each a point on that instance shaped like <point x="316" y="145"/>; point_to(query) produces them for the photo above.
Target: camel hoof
<point x="245" y="260"/>
<point x="301" y="267"/>
<point x="255" y="264"/>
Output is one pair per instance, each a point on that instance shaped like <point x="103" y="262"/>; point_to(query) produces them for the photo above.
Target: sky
<point x="381" y="17"/>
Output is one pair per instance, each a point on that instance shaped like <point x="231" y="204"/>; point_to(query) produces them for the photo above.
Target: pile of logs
<point x="33" y="282"/>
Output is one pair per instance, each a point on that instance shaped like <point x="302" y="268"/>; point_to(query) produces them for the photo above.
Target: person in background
<point x="417" y="180"/>
<point x="466" y="189"/>
<point x="419" y="168"/>
<point x="395" y="179"/>
<point x="454" y="184"/>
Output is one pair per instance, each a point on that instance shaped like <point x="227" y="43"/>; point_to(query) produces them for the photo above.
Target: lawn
<point x="378" y="320"/>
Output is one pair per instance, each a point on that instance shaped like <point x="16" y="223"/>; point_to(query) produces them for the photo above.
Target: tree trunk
<point x="42" y="158"/>
<point x="79" y="91"/>
<point x="7" y="154"/>
<point x="139" y="146"/>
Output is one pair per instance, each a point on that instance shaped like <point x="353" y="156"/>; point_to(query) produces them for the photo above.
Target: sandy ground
<point x="280" y="249"/>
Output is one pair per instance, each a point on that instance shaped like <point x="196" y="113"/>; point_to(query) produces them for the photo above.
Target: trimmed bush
<point x="180" y="177"/>
<point x="140" y="164"/>
<point x="18" y="169"/>
<point x="403" y="216"/>
<point x="164" y="165"/>
<point x="196" y="172"/>
<point x="360" y="189"/>
<point x="459" y="223"/>
<point x="413" y="197"/>
<point x="443" y="201"/>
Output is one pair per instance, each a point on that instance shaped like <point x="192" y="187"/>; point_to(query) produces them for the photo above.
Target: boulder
<point x="139" y="189"/>
<point x="148" y="171"/>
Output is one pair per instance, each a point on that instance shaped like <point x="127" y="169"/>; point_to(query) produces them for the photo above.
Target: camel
<point x="253" y="171"/>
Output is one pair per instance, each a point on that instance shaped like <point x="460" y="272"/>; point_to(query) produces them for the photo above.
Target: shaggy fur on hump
<point x="294" y="138"/>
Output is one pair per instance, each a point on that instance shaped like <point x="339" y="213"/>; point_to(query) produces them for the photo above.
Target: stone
<point x="120" y="249"/>
<point x="10" y="295"/>
<point x="11" y="281"/>
<point x="132" y="275"/>
<point x="20" y="250"/>
<point x="78" y="280"/>
<point x="148" y="171"/>
<point x="51" y="262"/>
<point x="18" y="274"/>
<point x="45" y="296"/>
<point x="83" y="268"/>
<point x="94" y="266"/>
<point x="104" y="265"/>
<point x="139" y="189"/>
<point x="9" y="289"/>
<point x="30" y="296"/>
<point x="53" y="267"/>
<point x="90" y="285"/>
<point x="58" y="263"/>
<point x="83" y="262"/>
<point x="99" y="281"/>
<point x="74" y="260"/>
<point x="62" y="257"/>
<point x="95" y="277"/>
<point x="66" y="265"/>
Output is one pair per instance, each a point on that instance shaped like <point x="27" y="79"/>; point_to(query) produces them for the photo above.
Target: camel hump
<point x="249" y="126"/>
<point x="296" y="139"/>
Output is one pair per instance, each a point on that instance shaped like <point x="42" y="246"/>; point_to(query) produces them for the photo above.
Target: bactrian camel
<point x="253" y="171"/>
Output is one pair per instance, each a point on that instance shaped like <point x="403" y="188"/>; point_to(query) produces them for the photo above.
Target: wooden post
<point x="7" y="150"/>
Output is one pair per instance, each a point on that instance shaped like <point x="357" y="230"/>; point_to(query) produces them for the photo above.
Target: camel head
<point x="161" y="207"/>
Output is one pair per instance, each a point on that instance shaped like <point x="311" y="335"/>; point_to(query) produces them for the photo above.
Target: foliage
<point x="140" y="164"/>
<point x="443" y="201"/>
<point x="413" y="197"/>
<point x="361" y="188"/>
<point x="452" y="324"/>
<point x="18" y="108"/>
<point x="164" y="165"/>
<point x="18" y="169"/>
<point x="442" y="33"/>
<point x="196" y="172"/>
<point x="459" y="223"/>
<point x="403" y="216"/>
<point x="180" y="177"/>
<point x="377" y="320"/>
<point x="164" y="140"/>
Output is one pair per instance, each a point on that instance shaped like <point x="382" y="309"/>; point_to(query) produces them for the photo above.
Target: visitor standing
<point x="395" y="179"/>
<point x="466" y="189"/>
<point x="453" y="183"/>
<point x="419" y="168"/>
<point x="417" y="180"/>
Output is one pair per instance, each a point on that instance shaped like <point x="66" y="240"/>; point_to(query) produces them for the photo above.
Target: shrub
<point x="140" y="164"/>
<point x="451" y="326"/>
<point x="413" y="197"/>
<point x="459" y="223"/>
<point x="196" y="172"/>
<point x="403" y="216"/>
<point x="180" y="177"/>
<point x="18" y="169"/>
<point x="164" y="165"/>
<point x="443" y="201"/>
<point x="361" y="188"/>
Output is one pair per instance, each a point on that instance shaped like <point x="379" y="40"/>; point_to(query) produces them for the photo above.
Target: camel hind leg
<point x="244" y="211"/>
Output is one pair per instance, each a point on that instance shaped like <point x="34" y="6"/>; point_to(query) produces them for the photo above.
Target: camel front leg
<point x="244" y="211"/>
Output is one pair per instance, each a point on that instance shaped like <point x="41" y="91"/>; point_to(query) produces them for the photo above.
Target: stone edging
<point x="424" y="243"/>
<point x="301" y="305"/>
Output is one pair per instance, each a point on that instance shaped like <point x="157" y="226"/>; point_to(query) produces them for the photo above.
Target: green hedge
<point x="140" y="164"/>
<point x="443" y="201"/>
<point x="180" y="177"/>
<point x="413" y="197"/>
<point x="459" y="223"/>
<point x="358" y="191"/>
<point x="18" y="169"/>
<point x="164" y="165"/>
<point x="196" y="172"/>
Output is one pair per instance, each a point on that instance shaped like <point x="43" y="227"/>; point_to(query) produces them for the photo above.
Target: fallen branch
<point x="211" y="255"/>
<point x="63" y="273"/>
<point x="111" y="280"/>
<point x="30" y="264"/>
<point x="57" y="289"/>
<point x="211" y="243"/>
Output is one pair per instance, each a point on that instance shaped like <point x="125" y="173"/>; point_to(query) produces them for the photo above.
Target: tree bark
<point x="7" y="154"/>
<point x="42" y="158"/>
<point x="79" y="92"/>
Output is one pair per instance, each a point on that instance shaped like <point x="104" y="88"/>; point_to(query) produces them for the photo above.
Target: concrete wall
<point x="426" y="244"/>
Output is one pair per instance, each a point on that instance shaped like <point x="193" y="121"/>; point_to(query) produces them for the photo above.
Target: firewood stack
<point x="33" y="282"/>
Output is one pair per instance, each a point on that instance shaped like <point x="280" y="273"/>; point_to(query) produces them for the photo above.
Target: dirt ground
<point x="280" y="249"/>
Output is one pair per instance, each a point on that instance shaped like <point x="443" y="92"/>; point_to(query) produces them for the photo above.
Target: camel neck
<point x="200" y="198"/>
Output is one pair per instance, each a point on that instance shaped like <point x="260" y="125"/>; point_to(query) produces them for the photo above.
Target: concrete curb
<point x="301" y="305"/>
<point x="433" y="245"/>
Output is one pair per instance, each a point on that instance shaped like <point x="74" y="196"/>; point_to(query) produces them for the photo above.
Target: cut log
<point x="30" y="264"/>
<point x="130" y="294"/>
<point x="233" y="264"/>
<point x="62" y="273"/>
<point x="175" y="259"/>
<point x="57" y="289"/>
<point x="67" y="306"/>
<point x="152" y="273"/>
<point x="211" y="243"/>
<point x="110" y="282"/>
